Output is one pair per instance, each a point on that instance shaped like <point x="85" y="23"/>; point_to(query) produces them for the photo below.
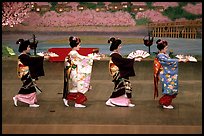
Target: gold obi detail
<point x="21" y="69"/>
<point x="112" y="68"/>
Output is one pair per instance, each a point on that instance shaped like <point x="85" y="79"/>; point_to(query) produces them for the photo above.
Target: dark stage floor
<point x="52" y="117"/>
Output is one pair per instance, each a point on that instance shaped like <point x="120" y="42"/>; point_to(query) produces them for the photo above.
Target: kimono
<point x="78" y="70"/>
<point x="157" y="68"/>
<point x="166" y="70"/>
<point x="29" y="89"/>
<point x="121" y="69"/>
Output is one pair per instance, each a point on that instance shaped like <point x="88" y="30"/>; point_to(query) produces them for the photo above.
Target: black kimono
<point x="29" y="69"/>
<point x="123" y="69"/>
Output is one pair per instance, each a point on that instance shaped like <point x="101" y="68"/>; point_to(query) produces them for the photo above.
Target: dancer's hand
<point x="46" y="57"/>
<point x="183" y="60"/>
<point x="94" y="56"/>
<point x="138" y="59"/>
<point x="186" y="60"/>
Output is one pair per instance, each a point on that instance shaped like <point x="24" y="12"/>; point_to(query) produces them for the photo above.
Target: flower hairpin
<point x="74" y="38"/>
<point x="19" y="41"/>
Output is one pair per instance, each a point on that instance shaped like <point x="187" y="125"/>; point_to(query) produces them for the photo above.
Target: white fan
<point x="131" y="55"/>
<point x="138" y="53"/>
<point x="189" y="57"/>
<point x="180" y="56"/>
<point x="40" y="54"/>
<point x="51" y="54"/>
<point x="95" y="56"/>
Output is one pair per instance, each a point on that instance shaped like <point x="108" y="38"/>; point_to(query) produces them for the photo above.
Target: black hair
<point x="114" y="43"/>
<point x="161" y="44"/>
<point x="74" y="41"/>
<point x="23" y="44"/>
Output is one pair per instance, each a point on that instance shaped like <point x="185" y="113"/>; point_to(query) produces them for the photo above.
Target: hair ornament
<point x="74" y="39"/>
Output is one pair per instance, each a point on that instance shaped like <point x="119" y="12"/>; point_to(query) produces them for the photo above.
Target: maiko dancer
<point x="78" y="70"/>
<point x="120" y="69"/>
<point x="166" y="70"/>
<point x="28" y="70"/>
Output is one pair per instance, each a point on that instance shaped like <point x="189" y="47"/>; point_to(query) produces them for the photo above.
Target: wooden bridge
<point x="179" y="29"/>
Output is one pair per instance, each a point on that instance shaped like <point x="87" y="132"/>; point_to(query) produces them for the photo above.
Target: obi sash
<point x="114" y="71"/>
<point x="67" y="70"/>
<point x="21" y="69"/>
<point x="157" y="69"/>
<point x="112" y="68"/>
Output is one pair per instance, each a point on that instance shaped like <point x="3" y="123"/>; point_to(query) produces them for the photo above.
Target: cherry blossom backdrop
<point x="14" y="13"/>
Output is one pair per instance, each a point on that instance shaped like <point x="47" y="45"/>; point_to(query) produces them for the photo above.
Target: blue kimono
<point x="168" y="74"/>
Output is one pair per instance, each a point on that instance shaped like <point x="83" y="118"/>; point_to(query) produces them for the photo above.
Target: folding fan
<point x="51" y="54"/>
<point x="138" y="53"/>
<point x="189" y="57"/>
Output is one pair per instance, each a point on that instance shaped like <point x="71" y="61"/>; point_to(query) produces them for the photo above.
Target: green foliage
<point x="133" y="16"/>
<point x="88" y="5"/>
<point x="181" y="4"/>
<point x="142" y="21"/>
<point x="128" y="9"/>
<point x="177" y="12"/>
<point x="7" y="51"/>
<point x="194" y="3"/>
<point x="101" y="4"/>
<point x="149" y="5"/>
<point x="4" y="51"/>
<point x="53" y="5"/>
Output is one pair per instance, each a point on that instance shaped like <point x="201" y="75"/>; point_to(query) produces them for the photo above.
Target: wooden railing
<point x="184" y="29"/>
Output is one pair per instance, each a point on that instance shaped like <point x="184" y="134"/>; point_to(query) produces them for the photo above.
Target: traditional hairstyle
<point x="23" y="44"/>
<point x="74" y="41"/>
<point x="114" y="43"/>
<point x="161" y="44"/>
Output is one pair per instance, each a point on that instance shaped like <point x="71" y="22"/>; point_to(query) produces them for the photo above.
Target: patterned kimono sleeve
<point x="122" y="62"/>
<point x="125" y="65"/>
<point x="167" y="61"/>
<point x="168" y="74"/>
<point x="84" y="63"/>
<point x="83" y="71"/>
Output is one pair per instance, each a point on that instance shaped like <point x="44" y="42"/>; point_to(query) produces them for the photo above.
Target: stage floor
<point x="147" y="117"/>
